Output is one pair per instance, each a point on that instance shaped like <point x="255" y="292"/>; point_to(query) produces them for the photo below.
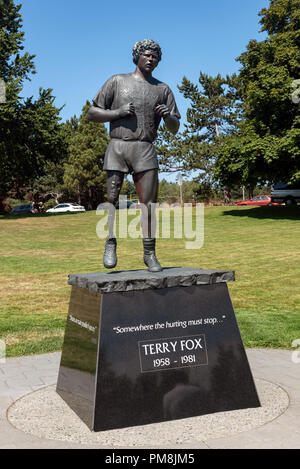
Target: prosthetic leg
<point x="114" y="185"/>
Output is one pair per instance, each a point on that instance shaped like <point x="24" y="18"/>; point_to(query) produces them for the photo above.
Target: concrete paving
<point x="20" y="376"/>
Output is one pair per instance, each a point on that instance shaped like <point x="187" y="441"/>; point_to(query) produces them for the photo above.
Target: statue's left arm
<point x="169" y="112"/>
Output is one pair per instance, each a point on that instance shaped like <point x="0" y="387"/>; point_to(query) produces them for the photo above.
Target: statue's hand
<point x="162" y="110"/>
<point x="126" y="110"/>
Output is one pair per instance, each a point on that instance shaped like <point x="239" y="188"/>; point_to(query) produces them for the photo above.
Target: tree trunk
<point x="227" y="195"/>
<point x="90" y="199"/>
<point x="55" y="195"/>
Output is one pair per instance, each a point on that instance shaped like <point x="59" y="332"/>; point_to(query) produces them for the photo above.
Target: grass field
<point x="262" y="244"/>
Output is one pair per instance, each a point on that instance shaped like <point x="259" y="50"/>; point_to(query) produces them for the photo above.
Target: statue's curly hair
<point x="145" y="44"/>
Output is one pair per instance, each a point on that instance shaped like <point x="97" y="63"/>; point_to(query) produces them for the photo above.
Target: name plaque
<point x="173" y="352"/>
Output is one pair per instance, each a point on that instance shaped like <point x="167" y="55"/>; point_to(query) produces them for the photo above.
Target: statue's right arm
<point x="97" y="114"/>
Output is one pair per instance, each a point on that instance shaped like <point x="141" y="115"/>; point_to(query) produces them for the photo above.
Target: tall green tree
<point x="83" y="173"/>
<point x="267" y="146"/>
<point x="51" y="183"/>
<point x="213" y="111"/>
<point x="214" y="114"/>
<point x="15" y="66"/>
<point x="30" y="132"/>
<point x="214" y="106"/>
<point x="172" y="151"/>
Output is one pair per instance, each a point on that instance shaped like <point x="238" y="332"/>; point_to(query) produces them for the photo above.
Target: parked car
<point x="60" y="208"/>
<point x="25" y="208"/>
<point x="135" y="205"/>
<point x="289" y="194"/>
<point x="258" y="200"/>
<point x="124" y="204"/>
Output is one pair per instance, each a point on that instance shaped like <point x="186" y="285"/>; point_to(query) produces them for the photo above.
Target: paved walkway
<point x="20" y="376"/>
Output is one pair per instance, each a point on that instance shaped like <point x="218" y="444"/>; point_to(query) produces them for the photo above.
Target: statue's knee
<point x="112" y="199"/>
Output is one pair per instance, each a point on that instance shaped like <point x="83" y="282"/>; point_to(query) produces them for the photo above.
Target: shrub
<point x="12" y="203"/>
<point x="50" y="204"/>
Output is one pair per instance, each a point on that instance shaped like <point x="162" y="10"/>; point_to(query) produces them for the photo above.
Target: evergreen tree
<point x="30" y="133"/>
<point x="51" y="183"/>
<point x="214" y="106"/>
<point x="15" y="66"/>
<point x="172" y="151"/>
<point x="129" y="189"/>
<point x="168" y="192"/>
<point x="214" y="113"/>
<point x="83" y="173"/>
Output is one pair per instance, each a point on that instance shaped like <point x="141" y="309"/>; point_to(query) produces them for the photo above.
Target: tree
<point x="267" y="145"/>
<point x="213" y="111"/>
<point x="129" y="189"/>
<point x="30" y="133"/>
<point x="172" y="151"/>
<point x="50" y="185"/>
<point x="15" y="67"/>
<point x="168" y="191"/>
<point x="238" y="160"/>
<point x="214" y="106"/>
<point x="83" y="173"/>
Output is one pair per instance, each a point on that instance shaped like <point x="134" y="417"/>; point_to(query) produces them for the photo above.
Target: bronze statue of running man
<point x="134" y="104"/>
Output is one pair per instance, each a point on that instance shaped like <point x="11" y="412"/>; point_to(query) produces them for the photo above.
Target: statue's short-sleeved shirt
<point x="145" y="96"/>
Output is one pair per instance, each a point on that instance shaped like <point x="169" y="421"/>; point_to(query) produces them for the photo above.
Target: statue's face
<point x="148" y="61"/>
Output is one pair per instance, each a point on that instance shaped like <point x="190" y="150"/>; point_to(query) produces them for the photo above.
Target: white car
<point x="60" y="208"/>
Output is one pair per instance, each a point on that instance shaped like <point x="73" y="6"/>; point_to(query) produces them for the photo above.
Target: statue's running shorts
<point x="130" y="156"/>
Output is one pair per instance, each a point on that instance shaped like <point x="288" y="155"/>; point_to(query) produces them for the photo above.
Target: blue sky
<point x="80" y="44"/>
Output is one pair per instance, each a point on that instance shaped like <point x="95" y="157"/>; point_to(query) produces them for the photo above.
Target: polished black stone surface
<point x="143" y="279"/>
<point x="145" y="356"/>
<point x="78" y="366"/>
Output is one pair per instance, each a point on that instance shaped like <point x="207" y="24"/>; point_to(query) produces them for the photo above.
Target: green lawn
<point x="262" y="244"/>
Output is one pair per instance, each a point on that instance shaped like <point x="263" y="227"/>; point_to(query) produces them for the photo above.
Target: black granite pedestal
<point x="145" y="347"/>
